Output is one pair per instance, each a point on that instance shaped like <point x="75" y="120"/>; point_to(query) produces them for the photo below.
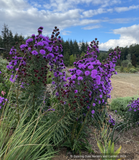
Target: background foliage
<point x="71" y="50"/>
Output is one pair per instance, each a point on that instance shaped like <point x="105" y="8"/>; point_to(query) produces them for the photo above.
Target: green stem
<point x="33" y="104"/>
<point x="17" y="103"/>
<point x="85" y="119"/>
<point x="75" y="124"/>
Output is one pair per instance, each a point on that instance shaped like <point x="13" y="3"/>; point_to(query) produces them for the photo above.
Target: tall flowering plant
<point x="33" y="68"/>
<point x="88" y="85"/>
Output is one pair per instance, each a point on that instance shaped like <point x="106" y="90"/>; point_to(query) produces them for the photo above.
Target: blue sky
<point x="113" y="22"/>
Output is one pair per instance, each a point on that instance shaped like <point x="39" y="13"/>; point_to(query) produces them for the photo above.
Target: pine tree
<point x="134" y="60"/>
<point x="66" y="58"/>
<point x="6" y="41"/>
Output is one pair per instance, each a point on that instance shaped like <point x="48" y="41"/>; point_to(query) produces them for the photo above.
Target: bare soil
<point x="124" y="84"/>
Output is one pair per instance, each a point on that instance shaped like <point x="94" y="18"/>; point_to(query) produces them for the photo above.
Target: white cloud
<point x="122" y="9"/>
<point x="128" y="36"/>
<point x="25" y="18"/>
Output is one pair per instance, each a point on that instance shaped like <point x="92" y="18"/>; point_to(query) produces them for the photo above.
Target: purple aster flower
<point x="39" y="30"/>
<point x="87" y="73"/>
<point x="78" y="72"/>
<point x="40" y="44"/>
<point x="42" y="51"/>
<point x="76" y="91"/>
<point x="88" y="107"/>
<point x="23" y="46"/>
<point x="29" y="40"/>
<point x="55" y="74"/>
<point x="98" y="78"/>
<point x="33" y="35"/>
<point x="90" y="67"/>
<point x="29" y="49"/>
<point x="93" y="104"/>
<point x="73" y="77"/>
<point x="53" y="82"/>
<point x="57" y="94"/>
<point x="92" y="111"/>
<point x="40" y="27"/>
<point x="34" y="52"/>
<point x="50" y="55"/>
<point x="93" y="73"/>
<point x="80" y="78"/>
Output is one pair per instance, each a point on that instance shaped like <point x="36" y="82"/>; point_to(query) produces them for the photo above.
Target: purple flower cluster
<point x="111" y="121"/>
<point x="133" y="111"/>
<point x="91" y="75"/>
<point x="36" y="54"/>
<point x="89" y="78"/>
<point x="2" y="100"/>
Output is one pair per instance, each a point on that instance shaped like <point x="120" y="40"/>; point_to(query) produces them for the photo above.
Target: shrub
<point x="129" y="65"/>
<point x="124" y="63"/>
<point x="121" y="69"/>
<point x="126" y="70"/>
<point x="132" y="70"/>
<point x="120" y="104"/>
<point x="132" y="114"/>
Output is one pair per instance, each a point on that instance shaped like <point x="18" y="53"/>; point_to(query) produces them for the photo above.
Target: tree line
<point x="71" y="50"/>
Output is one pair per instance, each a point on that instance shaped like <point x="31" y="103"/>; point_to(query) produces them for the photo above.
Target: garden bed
<point x="124" y="84"/>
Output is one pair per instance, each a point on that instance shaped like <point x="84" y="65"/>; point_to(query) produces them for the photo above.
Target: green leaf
<point x="100" y="147"/>
<point x="118" y="150"/>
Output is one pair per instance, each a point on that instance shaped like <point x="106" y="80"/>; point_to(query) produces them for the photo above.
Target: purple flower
<point x="40" y="27"/>
<point x="87" y="73"/>
<point x="42" y="51"/>
<point x="78" y="72"/>
<point x="50" y="55"/>
<point x="92" y="111"/>
<point x="90" y="67"/>
<point x="53" y="82"/>
<point x="57" y="94"/>
<point x="33" y="35"/>
<point x="98" y="78"/>
<point x="40" y="44"/>
<point x="80" y="78"/>
<point x="76" y="91"/>
<point x="93" y="73"/>
<point x="29" y="40"/>
<point x="39" y="30"/>
<point x="73" y="77"/>
<point x="93" y="104"/>
<point x="34" y="52"/>
<point x="55" y="74"/>
<point x="88" y="107"/>
<point x="23" y="46"/>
